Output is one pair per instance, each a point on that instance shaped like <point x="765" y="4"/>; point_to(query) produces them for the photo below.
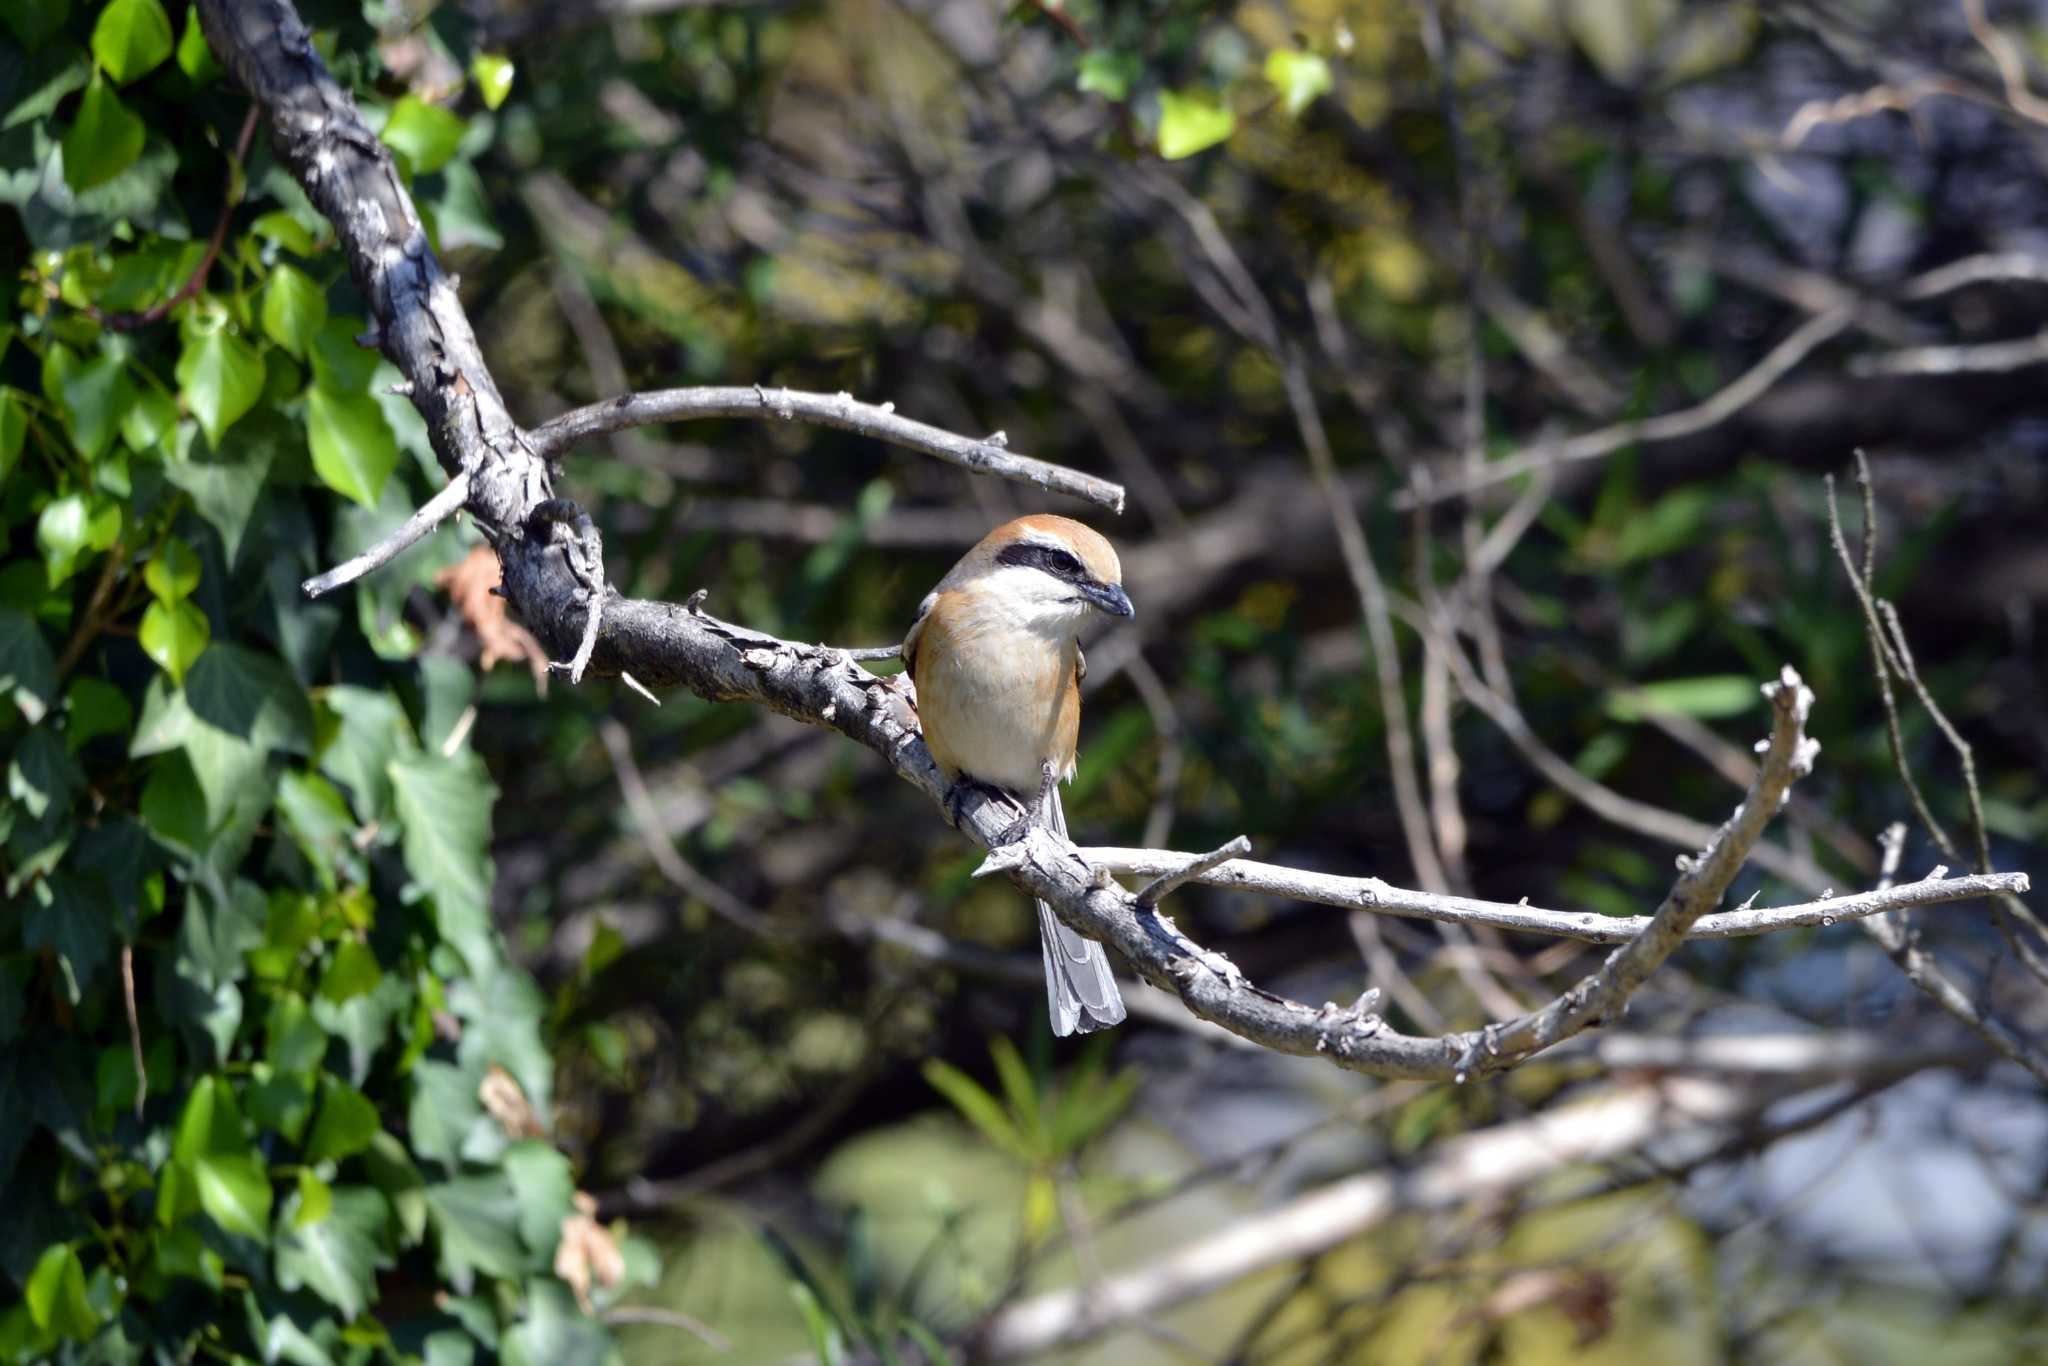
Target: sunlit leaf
<point x="220" y="377"/>
<point x="335" y="1253"/>
<point x="131" y="38"/>
<point x="425" y="134"/>
<point x="294" y="309"/>
<point x="354" y="451"/>
<point x="234" y="1189"/>
<point x="493" y="76"/>
<point x="174" y="634"/>
<point x="1190" y="123"/>
<point x="173" y="572"/>
<point x="1300" y="77"/>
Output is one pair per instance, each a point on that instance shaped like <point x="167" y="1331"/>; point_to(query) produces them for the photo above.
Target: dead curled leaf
<point x="505" y="1102"/>
<point x="588" y="1252"/>
<point x="469" y="583"/>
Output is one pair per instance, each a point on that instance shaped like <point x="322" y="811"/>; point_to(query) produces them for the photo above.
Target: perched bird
<point x="998" y="672"/>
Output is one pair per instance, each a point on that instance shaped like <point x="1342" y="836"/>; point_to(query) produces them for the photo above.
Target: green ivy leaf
<point x="173" y="804"/>
<point x="1108" y="74"/>
<point x="220" y="377"/>
<point x="131" y="38"/>
<point x="338" y="1254"/>
<point x="234" y="1189"/>
<point x="279" y="1102"/>
<point x="392" y="1170"/>
<point x="554" y="1332"/>
<point x="445" y="1122"/>
<point x="353" y="972"/>
<point x="424" y="134"/>
<point x="95" y="396"/>
<point x="444" y="808"/>
<point x="312" y="1202"/>
<point x="346" y="1126"/>
<point x="13" y="427"/>
<point x="195" y="56"/>
<point x="493" y="76"/>
<point x="28" y="671"/>
<point x="1300" y="77"/>
<point x="236" y="707"/>
<point x="225" y="484"/>
<point x="367" y="732"/>
<point x="210" y="1124"/>
<point x="55" y="1295"/>
<point x="319" y="821"/>
<point x="34" y="22"/>
<point x="103" y="141"/>
<point x="340" y="366"/>
<point x="476" y="1219"/>
<point x="354" y="451"/>
<point x="546" y="1190"/>
<point x="174" y="634"/>
<point x="1191" y="123"/>
<point x="72" y="926"/>
<point x="92" y="706"/>
<point x="252" y="696"/>
<point x="173" y="572"/>
<point x="293" y="1040"/>
<point x="294" y="308"/>
<point x="70" y="526"/>
<point x="287" y="232"/>
<point x="152" y="416"/>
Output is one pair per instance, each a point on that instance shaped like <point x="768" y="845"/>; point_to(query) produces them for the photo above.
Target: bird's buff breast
<point x="997" y="706"/>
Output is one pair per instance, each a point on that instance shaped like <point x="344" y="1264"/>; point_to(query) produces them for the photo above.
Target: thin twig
<point x="402" y="538"/>
<point x="989" y="455"/>
<point x="1591" y="927"/>
<point x="1372" y="601"/>
<point x="94" y="621"/>
<point x="1167" y="883"/>
<point x="669" y="1318"/>
<point x="134" y="1027"/>
<point x="661" y="849"/>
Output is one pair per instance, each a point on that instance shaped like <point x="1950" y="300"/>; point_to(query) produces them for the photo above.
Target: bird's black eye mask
<point x="1031" y="555"/>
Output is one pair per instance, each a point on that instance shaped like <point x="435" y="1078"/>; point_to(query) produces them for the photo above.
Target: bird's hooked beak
<point x="1108" y="597"/>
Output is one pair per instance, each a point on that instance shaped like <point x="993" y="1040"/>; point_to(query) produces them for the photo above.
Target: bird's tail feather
<point x="1080" y="991"/>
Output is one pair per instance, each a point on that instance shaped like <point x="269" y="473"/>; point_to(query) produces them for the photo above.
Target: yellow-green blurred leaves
<point x="1191" y="122"/>
<point x="493" y="76"/>
<point x="1300" y="77"/>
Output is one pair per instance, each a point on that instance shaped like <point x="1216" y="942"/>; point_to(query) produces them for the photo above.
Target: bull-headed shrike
<point x="998" y="671"/>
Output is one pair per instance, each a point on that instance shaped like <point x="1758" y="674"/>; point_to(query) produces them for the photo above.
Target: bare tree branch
<point x="989" y="455"/>
<point x="1371" y="894"/>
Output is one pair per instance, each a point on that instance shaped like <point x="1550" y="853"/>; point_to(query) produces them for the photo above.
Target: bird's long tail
<point x="1079" y="989"/>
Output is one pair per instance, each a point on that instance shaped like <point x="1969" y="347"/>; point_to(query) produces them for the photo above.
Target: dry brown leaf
<point x="469" y="582"/>
<point x="588" y="1252"/>
<point x="507" y="1104"/>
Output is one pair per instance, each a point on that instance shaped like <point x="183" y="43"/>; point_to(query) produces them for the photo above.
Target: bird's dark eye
<point x="1057" y="563"/>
